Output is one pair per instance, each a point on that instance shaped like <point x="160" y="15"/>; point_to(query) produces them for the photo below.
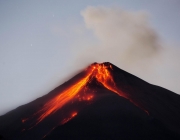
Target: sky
<point x="44" y="43"/>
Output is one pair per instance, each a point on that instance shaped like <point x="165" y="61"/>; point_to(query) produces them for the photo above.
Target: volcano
<point x="101" y="102"/>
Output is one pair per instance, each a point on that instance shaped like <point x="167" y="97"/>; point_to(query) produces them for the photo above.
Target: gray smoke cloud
<point x="127" y="40"/>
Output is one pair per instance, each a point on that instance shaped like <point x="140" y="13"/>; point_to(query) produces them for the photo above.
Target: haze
<point x="44" y="43"/>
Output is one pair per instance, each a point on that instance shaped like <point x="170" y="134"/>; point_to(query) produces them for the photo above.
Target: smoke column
<point x="127" y="39"/>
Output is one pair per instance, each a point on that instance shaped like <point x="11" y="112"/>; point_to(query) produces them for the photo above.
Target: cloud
<point x="127" y="39"/>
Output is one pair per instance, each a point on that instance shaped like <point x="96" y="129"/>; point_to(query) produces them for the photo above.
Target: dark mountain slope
<point x="159" y="102"/>
<point x="112" y="117"/>
<point x="147" y="111"/>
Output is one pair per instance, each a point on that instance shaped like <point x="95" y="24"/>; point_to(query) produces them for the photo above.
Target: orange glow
<point x="73" y="114"/>
<point x="85" y="98"/>
<point x="48" y="132"/>
<point x="69" y="118"/>
<point x="100" y="72"/>
<point x="23" y="120"/>
<point x="63" y="98"/>
<point x="89" y="97"/>
<point x="104" y="76"/>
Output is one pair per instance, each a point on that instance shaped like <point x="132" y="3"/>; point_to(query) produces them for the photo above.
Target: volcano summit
<point x="101" y="102"/>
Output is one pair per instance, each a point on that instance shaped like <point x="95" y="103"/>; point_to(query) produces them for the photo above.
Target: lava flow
<point x="63" y="98"/>
<point x="101" y="72"/>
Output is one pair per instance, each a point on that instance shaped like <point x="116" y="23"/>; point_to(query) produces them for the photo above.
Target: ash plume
<point x="127" y="39"/>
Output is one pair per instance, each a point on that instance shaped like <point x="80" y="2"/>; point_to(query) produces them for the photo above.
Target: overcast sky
<point x="43" y="43"/>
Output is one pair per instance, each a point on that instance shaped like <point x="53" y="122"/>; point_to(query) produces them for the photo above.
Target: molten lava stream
<point x="104" y="76"/>
<point x="63" y="98"/>
<point x="100" y="72"/>
<point x="69" y="118"/>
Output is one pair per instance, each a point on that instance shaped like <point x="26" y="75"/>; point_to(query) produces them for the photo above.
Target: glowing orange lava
<point x="103" y="75"/>
<point x="69" y="118"/>
<point x="99" y="71"/>
<point x="63" y="98"/>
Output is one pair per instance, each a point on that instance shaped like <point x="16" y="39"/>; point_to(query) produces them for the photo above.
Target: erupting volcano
<point x="99" y="89"/>
<point x="101" y="72"/>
